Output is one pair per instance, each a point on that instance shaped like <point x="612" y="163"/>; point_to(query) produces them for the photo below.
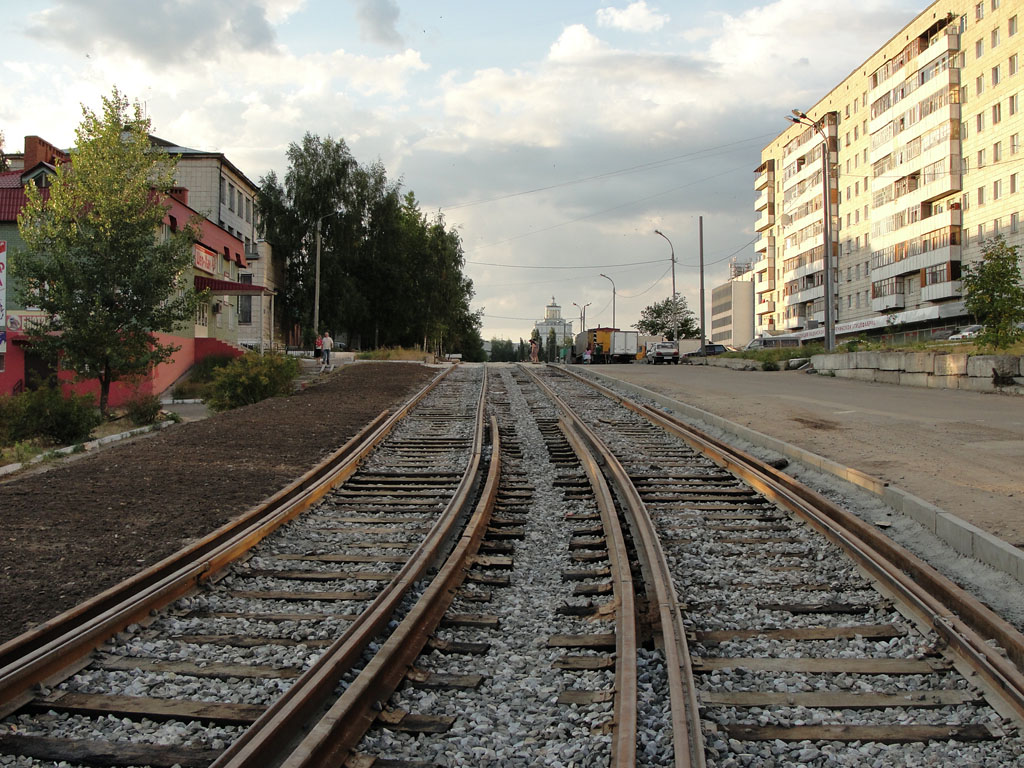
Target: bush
<point x="142" y="409"/>
<point x="46" y="413"/>
<point x="251" y="378"/>
<point x="199" y="383"/>
<point x="769" y="365"/>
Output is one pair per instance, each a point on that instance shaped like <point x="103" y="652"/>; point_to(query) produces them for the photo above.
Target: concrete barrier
<point x="976" y="373"/>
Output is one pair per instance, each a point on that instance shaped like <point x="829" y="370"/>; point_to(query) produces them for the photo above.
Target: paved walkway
<point x="962" y="451"/>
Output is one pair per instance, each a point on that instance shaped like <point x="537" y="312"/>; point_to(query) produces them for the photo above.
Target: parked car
<point x="709" y="350"/>
<point x="662" y="352"/>
<point x="967" y="332"/>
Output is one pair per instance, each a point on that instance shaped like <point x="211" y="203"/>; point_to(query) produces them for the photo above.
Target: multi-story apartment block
<point x="924" y="162"/>
<point x="732" y="307"/>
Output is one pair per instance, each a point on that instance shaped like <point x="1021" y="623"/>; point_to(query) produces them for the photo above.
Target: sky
<point x="554" y="136"/>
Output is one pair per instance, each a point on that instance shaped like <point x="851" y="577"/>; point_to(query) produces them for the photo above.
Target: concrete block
<point x="890" y="361"/>
<point x="951" y="365"/>
<point x="866" y="359"/>
<point x="955" y="532"/>
<point x="915" y="379"/>
<point x="983" y="365"/>
<point x="859" y="374"/>
<point x="924" y="513"/>
<point x="977" y="384"/>
<point x="831" y="362"/>
<point x="919" y="362"/>
<point x="1000" y="554"/>
<point x="944" y="382"/>
<point x="887" y="377"/>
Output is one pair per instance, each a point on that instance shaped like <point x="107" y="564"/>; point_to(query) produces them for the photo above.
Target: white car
<point x="967" y="332"/>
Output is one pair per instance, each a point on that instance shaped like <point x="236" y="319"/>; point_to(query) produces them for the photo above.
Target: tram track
<point x="608" y="587"/>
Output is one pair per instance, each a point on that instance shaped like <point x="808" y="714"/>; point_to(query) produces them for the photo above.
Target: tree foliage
<point x="96" y="263"/>
<point x="660" y="320"/>
<point x="994" y="294"/>
<point x="389" y="275"/>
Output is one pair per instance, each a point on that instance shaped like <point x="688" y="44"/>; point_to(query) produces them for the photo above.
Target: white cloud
<point x="635" y="17"/>
<point x="378" y="20"/>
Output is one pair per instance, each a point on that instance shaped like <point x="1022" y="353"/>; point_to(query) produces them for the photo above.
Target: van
<point x="773" y="342"/>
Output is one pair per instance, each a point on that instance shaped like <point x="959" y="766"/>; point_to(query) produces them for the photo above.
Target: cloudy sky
<point x="555" y="135"/>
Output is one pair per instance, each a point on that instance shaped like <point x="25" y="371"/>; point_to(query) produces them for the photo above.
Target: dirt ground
<point x="962" y="451"/>
<point x="131" y="504"/>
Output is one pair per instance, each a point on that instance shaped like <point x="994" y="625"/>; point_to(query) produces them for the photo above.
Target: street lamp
<point x="316" y="288"/>
<point x="613" y="297"/>
<point x="675" y="317"/>
<point x="801" y="118"/>
<point x="583" y="315"/>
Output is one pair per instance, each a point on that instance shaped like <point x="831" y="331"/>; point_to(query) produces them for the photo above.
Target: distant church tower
<point x="553" y="319"/>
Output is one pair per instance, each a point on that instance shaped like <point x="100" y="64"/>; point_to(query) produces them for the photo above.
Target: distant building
<point x="732" y="308"/>
<point x="553" y="320"/>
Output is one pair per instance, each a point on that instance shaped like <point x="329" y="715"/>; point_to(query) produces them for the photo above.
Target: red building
<point x="217" y="257"/>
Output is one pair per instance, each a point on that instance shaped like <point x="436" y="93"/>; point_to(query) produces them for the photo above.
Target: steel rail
<point x="62" y="643"/>
<point x="962" y="621"/>
<point x="687" y="738"/>
<point x="271" y="738"/>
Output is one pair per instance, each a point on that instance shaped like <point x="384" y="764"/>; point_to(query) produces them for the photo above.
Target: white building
<point x="553" y="320"/>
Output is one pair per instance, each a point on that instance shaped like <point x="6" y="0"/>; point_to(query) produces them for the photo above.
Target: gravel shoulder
<point x="962" y="451"/>
<point x="86" y="524"/>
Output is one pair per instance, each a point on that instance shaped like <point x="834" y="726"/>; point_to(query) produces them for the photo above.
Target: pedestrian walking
<point x="318" y="347"/>
<point x="533" y="351"/>
<point x="328" y="345"/>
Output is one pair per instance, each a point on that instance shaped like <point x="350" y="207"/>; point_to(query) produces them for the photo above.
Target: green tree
<point x="660" y="320"/>
<point x="96" y="262"/>
<point x="994" y="294"/>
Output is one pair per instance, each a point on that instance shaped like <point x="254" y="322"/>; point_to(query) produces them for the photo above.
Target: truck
<point x="607" y="345"/>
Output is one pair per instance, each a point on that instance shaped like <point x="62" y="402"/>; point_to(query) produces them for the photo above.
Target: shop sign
<point x="205" y="259"/>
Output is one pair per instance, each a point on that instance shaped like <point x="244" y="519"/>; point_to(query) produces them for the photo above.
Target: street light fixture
<point x="800" y="118"/>
<point x="675" y="316"/>
<point x="583" y="315"/>
<point x="316" y="288"/>
<point x="613" y="297"/>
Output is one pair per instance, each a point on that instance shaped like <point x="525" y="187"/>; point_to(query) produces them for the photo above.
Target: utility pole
<point x="700" y="232"/>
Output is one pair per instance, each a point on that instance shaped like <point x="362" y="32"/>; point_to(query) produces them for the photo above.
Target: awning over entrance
<point x="227" y="287"/>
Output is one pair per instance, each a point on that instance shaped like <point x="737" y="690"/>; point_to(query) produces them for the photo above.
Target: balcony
<point x="885" y="303"/>
<point x="765" y="199"/>
<point x="917" y="262"/>
<point x="764" y="307"/>
<point x="768" y="284"/>
<point x="808" y="294"/>
<point x="765" y="220"/>
<point x="951" y="289"/>
<point x="794" y="323"/>
<point x="766" y="177"/>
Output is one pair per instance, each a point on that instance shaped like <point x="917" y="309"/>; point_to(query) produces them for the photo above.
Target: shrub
<point x="769" y="365"/>
<point x="46" y="413"/>
<point x="251" y="378"/>
<point x="142" y="409"/>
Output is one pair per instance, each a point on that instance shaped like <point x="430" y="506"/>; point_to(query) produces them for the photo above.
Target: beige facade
<point x="732" y="309"/>
<point x="924" y="166"/>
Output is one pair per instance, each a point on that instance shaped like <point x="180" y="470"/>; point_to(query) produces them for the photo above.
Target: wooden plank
<point x="280" y="594"/>
<point x="317" y="575"/>
<point x="488" y="581"/>
<point x="424" y="679"/>
<point x="400" y="720"/>
<point x="583" y="698"/>
<point x="583" y="574"/>
<point x="489" y="561"/>
<point x="823" y="666"/>
<point x="587" y="542"/>
<point x="345" y="558"/>
<point x="883" y="734"/>
<point x="837" y="699"/>
<point x="810" y="608"/>
<point x="272" y="617"/>
<point x="456" y="647"/>
<point x="95" y="752"/>
<point x="885" y="631"/>
<point x="211" y="669"/>
<point x="477" y="620"/>
<point x="140" y="706"/>
<point x="585" y="556"/>
<point x="603" y="640"/>
<point x="584" y="662"/>
<point x="604" y="588"/>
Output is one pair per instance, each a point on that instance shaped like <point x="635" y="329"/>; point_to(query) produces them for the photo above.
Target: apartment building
<point x="732" y="307"/>
<point x="923" y="166"/>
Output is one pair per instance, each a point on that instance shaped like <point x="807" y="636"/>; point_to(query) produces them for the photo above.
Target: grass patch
<point x="393" y="353"/>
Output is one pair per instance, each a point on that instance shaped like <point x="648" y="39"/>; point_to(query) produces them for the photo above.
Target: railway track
<point x="600" y="585"/>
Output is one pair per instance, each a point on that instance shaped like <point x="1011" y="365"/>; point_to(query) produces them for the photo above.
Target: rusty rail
<point x="64" y="641"/>
<point x="687" y="740"/>
<point x="934" y="600"/>
<point x="271" y="739"/>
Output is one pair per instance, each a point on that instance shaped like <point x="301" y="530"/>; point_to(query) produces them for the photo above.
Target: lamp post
<point x="801" y="118"/>
<point x="316" y="287"/>
<point x="613" y="297"/>
<point x="583" y="315"/>
<point x="675" y="316"/>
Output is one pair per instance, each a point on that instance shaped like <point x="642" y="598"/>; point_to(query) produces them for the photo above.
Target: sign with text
<point x="3" y="296"/>
<point x="205" y="259"/>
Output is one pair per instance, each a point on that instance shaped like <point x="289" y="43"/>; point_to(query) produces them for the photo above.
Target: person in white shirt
<point x="328" y="345"/>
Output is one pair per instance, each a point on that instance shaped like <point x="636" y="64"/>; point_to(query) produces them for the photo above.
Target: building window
<point x="997" y="189"/>
<point x="979" y="11"/>
<point x="1011" y="26"/>
<point x="997" y="152"/>
<point x="1014" y="222"/>
<point x="997" y="113"/>
<point x="963" y="24"/>
<point x="981" y="195"/>
<point x="995" y="37"/>
<point x="1011" y="65"/>
<point x="1015" y="144"/>
<point x="979" y="49"/>
<point x="997" y="75"/>
<point x="979" y="122"/>
<point x="245" y="302"/>
<point x="979" y="85"/>
<point x="995" y="5"/>
<point x="248" y="210"/>
<point x="231" y="197"/>
<point x="981" y="158"/>
<point x="1013" y="103"/>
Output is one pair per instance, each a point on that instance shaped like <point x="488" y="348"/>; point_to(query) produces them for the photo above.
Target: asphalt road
<point x="962" y="451"/>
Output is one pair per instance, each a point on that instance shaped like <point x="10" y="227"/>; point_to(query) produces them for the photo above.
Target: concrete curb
<point x="965" y="538"/>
